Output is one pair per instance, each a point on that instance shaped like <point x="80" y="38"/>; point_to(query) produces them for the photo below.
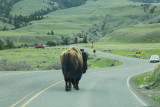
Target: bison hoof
<point x="68" y="89"/>
<point x="76" y="88"/>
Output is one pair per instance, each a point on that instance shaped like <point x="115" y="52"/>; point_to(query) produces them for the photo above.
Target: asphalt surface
<point x="106" y="87"/>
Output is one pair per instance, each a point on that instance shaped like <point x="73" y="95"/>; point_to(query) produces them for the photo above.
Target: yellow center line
<point x="21" y="99"/>
<point x="39" y="93"/>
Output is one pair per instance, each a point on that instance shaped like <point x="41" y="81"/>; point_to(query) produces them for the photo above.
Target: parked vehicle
<point x="154" y="58"/>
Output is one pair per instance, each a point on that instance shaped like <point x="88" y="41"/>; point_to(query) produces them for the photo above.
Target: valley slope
<point x="94" y="19"/>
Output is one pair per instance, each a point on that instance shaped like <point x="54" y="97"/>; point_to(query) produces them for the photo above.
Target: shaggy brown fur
<point x="72" y="67"/>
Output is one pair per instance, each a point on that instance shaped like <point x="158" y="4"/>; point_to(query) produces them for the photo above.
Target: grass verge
<point x="150" y="81"/>
<point x="43" y="59"/>
<point x="128" y="49"/>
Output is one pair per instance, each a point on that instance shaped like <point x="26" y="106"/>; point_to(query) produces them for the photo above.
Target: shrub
<point x="56" y="66"/>
<point x="14" y="66"/>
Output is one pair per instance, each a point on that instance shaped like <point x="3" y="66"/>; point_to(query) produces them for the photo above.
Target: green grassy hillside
<point x="72" y="20"/>
<point x="115" y="14"/>
<point x="142" y="33"/>
<point x="2" y="25"/>
<point x="62" y="22"/>
<point x="27" y="7"/>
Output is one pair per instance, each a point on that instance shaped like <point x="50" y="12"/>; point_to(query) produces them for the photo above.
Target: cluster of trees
<point x="20" y="21"/>
<point x="8" y="45"/>
<point x="148" y="8"/>
<point x="149" y="15"/>
<point x="66" y="41"/>
<point x="69" y="3"/>
<point x="50" y="33"/>
<point x="146" y="1"/>
<point x="63" y="40"/>
<point x="6" y="6"/>
<point x="96" y="31"/>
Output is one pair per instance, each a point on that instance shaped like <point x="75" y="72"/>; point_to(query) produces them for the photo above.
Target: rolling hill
<point x="142" y="33"/>
<point x="94" y="19"/>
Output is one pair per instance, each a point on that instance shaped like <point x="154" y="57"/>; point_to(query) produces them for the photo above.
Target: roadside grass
<point x="152" y="77"/>
<point x="145" y="78"/>
<point x="43" y="59"/>
<point x="102" y="62"/>
<point x="37" y="59"/>
<point x="128" y="49"/>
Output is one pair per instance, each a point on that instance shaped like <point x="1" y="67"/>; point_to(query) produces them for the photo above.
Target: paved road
<point x="108" y="87"/>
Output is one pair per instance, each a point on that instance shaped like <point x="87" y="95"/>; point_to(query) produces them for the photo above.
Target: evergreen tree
<point x="50" y="43"/>
<point x="1" y="44"/>
<point x="4" y="28"/>
<point x="85" y="39"/>
<point x="76" y="40"/>
<point x="9" y="43"/>
<point x="52" y="33"/>
<point x="48" y="33"/>
<point x="66" y="41"/>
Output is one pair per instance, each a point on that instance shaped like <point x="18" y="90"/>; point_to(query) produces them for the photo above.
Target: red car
<point x="40" y="46"/>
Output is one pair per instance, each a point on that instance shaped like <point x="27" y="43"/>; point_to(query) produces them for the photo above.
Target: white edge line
<point x="134" y="94"/>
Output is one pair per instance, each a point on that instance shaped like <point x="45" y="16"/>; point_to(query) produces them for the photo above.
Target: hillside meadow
<point x="141" y="33"/>
<point x="118" y="14"/>
<point x="27" y="7"/>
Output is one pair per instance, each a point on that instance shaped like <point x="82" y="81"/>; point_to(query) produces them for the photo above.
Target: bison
<point x="74" y="64"/>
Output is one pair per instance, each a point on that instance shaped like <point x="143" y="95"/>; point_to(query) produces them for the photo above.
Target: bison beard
<point x="72" y="67"/>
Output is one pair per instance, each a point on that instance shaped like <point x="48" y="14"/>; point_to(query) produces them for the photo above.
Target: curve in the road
<point x="105" y="87"/>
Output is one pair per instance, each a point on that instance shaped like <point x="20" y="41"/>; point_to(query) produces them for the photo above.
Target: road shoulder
<point x="141" y="93"/>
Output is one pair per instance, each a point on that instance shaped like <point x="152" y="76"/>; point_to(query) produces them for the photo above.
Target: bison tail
<point x="66" y="65"/>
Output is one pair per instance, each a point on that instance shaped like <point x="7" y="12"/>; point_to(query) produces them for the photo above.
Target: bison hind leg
<point x="75" y="84"/>
<point x="68" y="86"/>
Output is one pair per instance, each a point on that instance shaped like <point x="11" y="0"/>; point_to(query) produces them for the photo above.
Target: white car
<point x="154" y="58"/>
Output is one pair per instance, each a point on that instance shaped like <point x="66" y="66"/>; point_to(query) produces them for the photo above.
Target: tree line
<point x="62" y="40"/>
<point x="146" y="1"/>
<point x="69" y="3"/>
<point x="21" y="21"/>
<point x="8" y="45"/>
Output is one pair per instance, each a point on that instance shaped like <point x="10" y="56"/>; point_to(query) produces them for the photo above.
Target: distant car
<point x="40" y="46"/>
<point x="154" y="58"/>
